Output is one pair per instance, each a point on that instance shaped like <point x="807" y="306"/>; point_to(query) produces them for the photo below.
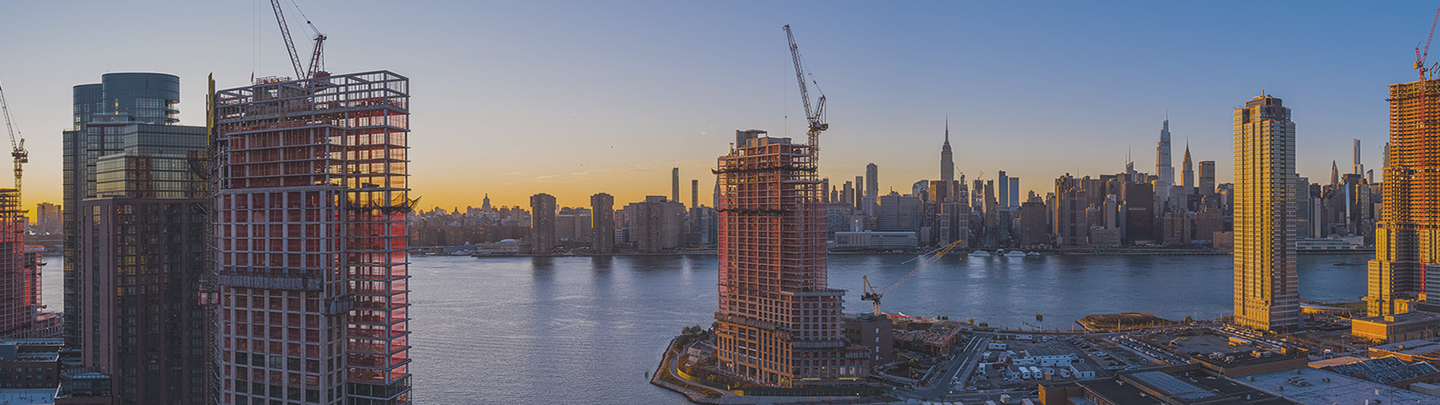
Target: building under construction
<point x="311" y="227"/>
<point x="779" y="322"/>
<point x="1407" y="238"/>
<point x="19" y="278"/>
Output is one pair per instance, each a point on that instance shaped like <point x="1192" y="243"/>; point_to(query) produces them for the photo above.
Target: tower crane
<point x="1421" y="54"/>
<point x="317" y="58"/>
<point x="873" y="296"/>
<point x="815" y="117"/>
<point x="17" y="141"/>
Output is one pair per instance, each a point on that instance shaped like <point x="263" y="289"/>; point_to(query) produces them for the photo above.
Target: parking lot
<point x="1024" y="363"/>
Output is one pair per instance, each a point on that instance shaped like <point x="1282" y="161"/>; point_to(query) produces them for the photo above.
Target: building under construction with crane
<point x="312" y="263"/>
<point x="19" y="264"/>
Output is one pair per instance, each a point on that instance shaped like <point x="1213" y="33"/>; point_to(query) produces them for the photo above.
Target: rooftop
<point x="1402" y="319"/>
<point x="1385" y="370"/>
<point x="1314" y="386"/>
<point x="27" y="396"/>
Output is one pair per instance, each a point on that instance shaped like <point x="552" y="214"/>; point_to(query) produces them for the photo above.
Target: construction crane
<point x="873" y="296"/>
<point x="17" y="141"/>
<point x="317" y="59"/>
<point x="1420" y="55"/>
<point x="816" y="116"/>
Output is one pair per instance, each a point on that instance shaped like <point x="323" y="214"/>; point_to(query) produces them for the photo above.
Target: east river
<point x="586" y="330"/>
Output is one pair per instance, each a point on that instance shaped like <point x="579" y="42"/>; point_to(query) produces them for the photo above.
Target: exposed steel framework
<point x="1407" y="238"/>
<point x="311" y="227"/>
<point x="779" y="322"/>
<point x="18" y="284"/>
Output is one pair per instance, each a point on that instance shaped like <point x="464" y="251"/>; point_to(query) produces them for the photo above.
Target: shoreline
<point x="1184" y="252"/>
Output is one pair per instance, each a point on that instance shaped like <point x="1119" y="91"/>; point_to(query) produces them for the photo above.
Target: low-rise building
<point x="873" y="332"/>
<point x="876" y="240"/>
<point x="1396" y="328"/>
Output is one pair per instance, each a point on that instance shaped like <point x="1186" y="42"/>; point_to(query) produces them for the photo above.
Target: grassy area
<point x="1123" y="321"/>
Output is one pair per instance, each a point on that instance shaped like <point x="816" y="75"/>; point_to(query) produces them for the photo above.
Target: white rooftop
<point x="1309" y="386"/>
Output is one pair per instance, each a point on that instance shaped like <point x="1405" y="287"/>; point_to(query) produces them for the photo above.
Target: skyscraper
<point x="1187" y="173"/>
<point x="313" y="267"/>
<point x="1015" y="192"/>
<point x="119" y="99"/>
<point x="1334" y="175"/>
<point x="872" y="188"/>
<point x="1355" y="150"/>
<point x="860" y="193"/>
<point x="1163" y="170"/>
<point x="694" y="194"/>
<point x="947" y="158"/>
<point x="19" y="284"/>
<point x="542" y="223"/>
<point x="1207" y="177"/>
<point x="1266" y="291"/>
<point x="675" y="184"/>
<point x="602" y="213"/>
<point x="1002" y="195"/>
<point x="767" y="279"/>
<point x="1407" y="238"/>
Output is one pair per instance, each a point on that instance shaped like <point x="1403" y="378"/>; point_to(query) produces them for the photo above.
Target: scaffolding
<point x="17" y="314"/>
<point x="312" y="201"/>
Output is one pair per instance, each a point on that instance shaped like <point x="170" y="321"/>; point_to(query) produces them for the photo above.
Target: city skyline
<point x="716" y="70"/>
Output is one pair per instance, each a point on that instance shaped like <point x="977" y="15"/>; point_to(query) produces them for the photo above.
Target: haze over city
<point x="573" y="98"/>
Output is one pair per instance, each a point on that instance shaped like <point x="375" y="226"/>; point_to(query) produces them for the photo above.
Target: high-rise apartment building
<point x="19" y="281"/>
<point x="1266" y="289"/>
<point x="47" y="218"/>
<point x="778" y="322"/>
<point x="694" y="194"/>
<point x="656" y="224"/>
<point x="675" y="184"/>
<point x="1002" y="195"/>
<point x="1070" y="224"/>
<point x="1407" y="239"/>
<point x="99" y="110"/>
<point x="1357" y="167"/>
<point x="311" y="233"/>
<point x="1207" y="177"/>
<point x="542" y="223"/>
<point x="1015" y="193"/>
<point x="602" y="215"/>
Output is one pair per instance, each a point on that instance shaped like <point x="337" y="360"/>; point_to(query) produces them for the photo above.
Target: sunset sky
<point x="574" y="98"/>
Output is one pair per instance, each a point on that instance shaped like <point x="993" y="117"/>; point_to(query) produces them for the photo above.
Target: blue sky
<point x="574" y="98"/>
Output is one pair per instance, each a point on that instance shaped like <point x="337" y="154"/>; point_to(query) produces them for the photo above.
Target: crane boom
<point x="814" y="117"/>
<point x="317" y="58"/>
<point x="869" y="294"/>
<point x="289" y="43"/>
<point x="17" y="141"/>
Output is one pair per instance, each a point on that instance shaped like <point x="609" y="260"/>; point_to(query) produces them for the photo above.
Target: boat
<point x="979" y="253"/>
<point x="1033" y="254"/>
<point x="1014" y="253"/>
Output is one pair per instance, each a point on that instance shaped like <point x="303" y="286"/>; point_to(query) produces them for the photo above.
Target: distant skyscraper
<point x="1002" y="194"/>
<point x="602" y="216"/>
<point x="1334" y="174"/>
<point x="1187" y="173"/>
<point x="1357" y="167"/>
<point x="1266" y="289"/>
<point x="656" y="224"/>
<point x="694" y="194"/>
<point x="1207" y="177"/>
<point x="675" y="184"/>
<point x="1163" y="170"/>
<point x="1407" y="238"/>
<point x="767" y="278"/>
<point x="542" y="223"/>
<point x="1015" y="192"/>
<point x="872" y="188"/>
<point x="1070" y="225"/>
<point x="947" y="158"/>
<point x="485" y="206"/>
<point x="860" y="193"/>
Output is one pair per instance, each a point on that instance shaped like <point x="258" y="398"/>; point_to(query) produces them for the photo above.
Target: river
<point x="525" y="330"/>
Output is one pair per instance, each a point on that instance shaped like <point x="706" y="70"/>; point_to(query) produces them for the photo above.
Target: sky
<point x="573" y="98"/>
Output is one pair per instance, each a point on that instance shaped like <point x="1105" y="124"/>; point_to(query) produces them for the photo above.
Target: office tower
<point x="1266" y="291"/>
<point x="1334" y="175"/>
<point x="542" y="224"/>
<point x="847" y="195"/>
<point x="602" y="217"/>
<point x="1033" y="223"/>
<point x="898" y="213"/>
<point x="694" y="194"/>
<point x="1015" y="192"/>
<point x="1356" y="167"/>
<point x="1207" y="177"/>
<point x="119" y="99"/>
<point x="860" y="193"/>
<point x="1070" y="224"/>
<point x="826" y="191"/>
<point x="1165" y="173"/>
<point x="872" y="188"/>
<point x="656" y="224"/>
<point x="766" y="278"/>
<point x="1304" y="209"/>
<point x="947" y="158"/>
<point x="313" y="264"/>
<point x="675" y="184"/>
<point x="1003" y="194"/>
<point x="1406" y="267"/>
<point x="1187" y="173"/>
<point x="1139" y="214"/>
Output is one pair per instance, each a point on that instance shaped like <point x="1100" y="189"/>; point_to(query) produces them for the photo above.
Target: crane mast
<point x="17" y="141"/>
<point x="814" y="117"/>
